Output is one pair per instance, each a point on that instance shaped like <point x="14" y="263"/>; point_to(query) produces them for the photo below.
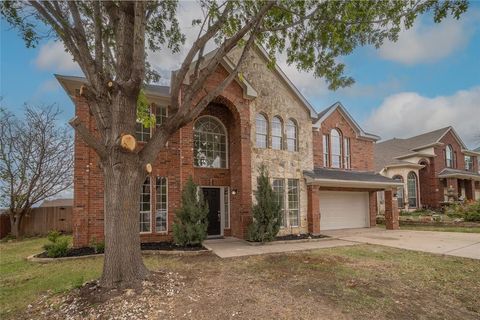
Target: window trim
<point x="155" y="206"/>
<point x="284" y="218"/>
<point x="287" y="138"/>
<point x="266" y="134"/>
<point x="347" y="154"/>
<point x="340" y="146"/>
<point x="286" y="208"/>
<point x="449" y="151"/>
<point x="326" y="153"/>
<point x="227" y="158"/>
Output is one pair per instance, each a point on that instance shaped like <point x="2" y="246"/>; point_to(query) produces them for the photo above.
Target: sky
<point x="428" y="79"/>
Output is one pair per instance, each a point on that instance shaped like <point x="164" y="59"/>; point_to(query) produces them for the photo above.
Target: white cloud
<point x="429" y="42"/>
<point x="408" y="113"/>
<point x="52" y="56"/>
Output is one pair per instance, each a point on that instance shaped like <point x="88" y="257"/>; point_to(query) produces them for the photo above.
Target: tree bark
<point x="15" y="220"/>
<point x="123" y="265"/>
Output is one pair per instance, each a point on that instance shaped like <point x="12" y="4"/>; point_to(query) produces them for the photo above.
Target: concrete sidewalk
<point x="449" y="243"/>
<point x="233" y="247"/>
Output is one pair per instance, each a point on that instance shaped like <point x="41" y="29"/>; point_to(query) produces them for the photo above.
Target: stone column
<point x="313" y="210"/>
<point x="391" y="211"/>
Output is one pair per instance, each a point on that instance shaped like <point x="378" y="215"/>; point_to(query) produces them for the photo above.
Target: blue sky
<point x="429" y="79"/>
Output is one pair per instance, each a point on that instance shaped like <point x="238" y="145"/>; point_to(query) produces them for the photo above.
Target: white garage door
<point x="342" y="210"/>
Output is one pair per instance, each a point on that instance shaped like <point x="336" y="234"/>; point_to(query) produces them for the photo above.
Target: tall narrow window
<point x="400" y="193"/>
<point x="161" y="205"/>
<point x="277" y="133"/>
<point x="278" y="187"/>
<point x="336" y="147"/>
<point x="226" y="207"/>
<point x="145" y="210"/>
<point x="160" y="114"/>
<point x="468" y="163"/>
<point x="292" y="135"/>
<point x="210" y="143"/>
<point x="326" y="151"/>
<point x="293" y="203"/>
<point x="346" y="153"/>
<point x="412" y="190"/>
<point x="449" y="156"/>
<point x="261" y="131"/>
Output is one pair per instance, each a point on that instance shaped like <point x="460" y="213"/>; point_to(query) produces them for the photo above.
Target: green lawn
<point x="361" y="282"/>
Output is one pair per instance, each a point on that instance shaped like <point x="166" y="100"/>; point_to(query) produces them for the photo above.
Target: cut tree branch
<point x="88" y="138"/>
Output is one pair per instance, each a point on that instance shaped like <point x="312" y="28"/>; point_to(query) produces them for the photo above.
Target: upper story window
<point x="326" y="150"/>
<point x="160" y="114"/>
<point x="346" y="153"/>
<point x="292" y="135"/>
<point x="449" y="156"/>
<point x="469" y="163"/>
<point x="336" y="148"/>
<point x="143" y="133"/>
<point x="261" y="131"/>
<point x="277" y="133"/>
<point x="210" y="143"/>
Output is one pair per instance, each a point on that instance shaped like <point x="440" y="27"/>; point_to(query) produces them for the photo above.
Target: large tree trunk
<point x="123" y="266"/>
<point x="15" y="220"/>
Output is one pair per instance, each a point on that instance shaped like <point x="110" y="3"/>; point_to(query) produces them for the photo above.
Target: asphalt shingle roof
<point x="343" y="175"/>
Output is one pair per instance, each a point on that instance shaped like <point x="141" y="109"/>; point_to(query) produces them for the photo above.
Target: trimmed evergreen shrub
<point x="190" y="225"/>
<point x="266" y="212"/>
<point x="58" y="245"/>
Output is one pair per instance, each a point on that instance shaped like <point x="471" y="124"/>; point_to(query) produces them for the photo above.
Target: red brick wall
<point x="361" y="150"/>
<point x="175" y="162"/>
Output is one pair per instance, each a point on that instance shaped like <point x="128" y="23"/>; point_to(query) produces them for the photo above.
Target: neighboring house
<point x="57" y="203"/>
<point x="321" y="165"/>
<point x="429" y="165"/>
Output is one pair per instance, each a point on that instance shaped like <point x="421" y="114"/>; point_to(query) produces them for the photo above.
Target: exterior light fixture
<point x="234" y="191"/>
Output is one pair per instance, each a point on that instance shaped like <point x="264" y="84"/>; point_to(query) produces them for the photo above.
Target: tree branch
<point x="88" y="138"/>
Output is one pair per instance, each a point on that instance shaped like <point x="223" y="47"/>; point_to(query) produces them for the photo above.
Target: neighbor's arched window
<point x="277" y="133"/>
<point x="292" y="135"/>
<point x="400" y="192"/>
<point x="412" y="189"/>
<point x="336" y="148"/>
<point x="261" y="131"/>
<point x="449" y="156"/>
<point x="210" y="143"/>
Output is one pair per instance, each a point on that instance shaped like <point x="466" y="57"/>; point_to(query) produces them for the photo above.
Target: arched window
<point x="277" y="133"/>
<point x="261" y="131"/>
<point x="449" y="156"/>
<point x="210" y="143"/>
<point x="412" y="189"/>
<point x="400" y="192"/>
<point x="336" y="148"/>
<point x="292" y="135"/>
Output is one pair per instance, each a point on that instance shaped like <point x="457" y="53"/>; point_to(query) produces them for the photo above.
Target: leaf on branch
<point x="144" y="116"/>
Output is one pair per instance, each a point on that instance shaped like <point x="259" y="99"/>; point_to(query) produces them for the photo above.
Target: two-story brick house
<point x="320" y="165"/>
<point x="431" y="166"/>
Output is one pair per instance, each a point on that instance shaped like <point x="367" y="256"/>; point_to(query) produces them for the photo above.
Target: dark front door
<point x="212" y="197"/>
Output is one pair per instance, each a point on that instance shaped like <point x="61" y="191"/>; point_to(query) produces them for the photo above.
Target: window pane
<point x="293" y="202"/>
<point x="277" y="134"/>
<point x="400" y="193"/>
<point x="291" y="136"/>
<point x="161" y="205"/>
<point x="326" y="151"/>
<point x="142" y="133"/>
<point x="261" y="130"/>
<point x="160" y="114"/>
<point x="336" y="141"/>
<point x="346" y="153"/>
<point x="209" y="141"/>
<point x="145" y="213"/>
<point x="412" y="190"/>
<point x="278" y="187"/>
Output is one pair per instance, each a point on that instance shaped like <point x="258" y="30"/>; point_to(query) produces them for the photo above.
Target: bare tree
<point x="36" y="160"/>
<point x="109" y="39"/>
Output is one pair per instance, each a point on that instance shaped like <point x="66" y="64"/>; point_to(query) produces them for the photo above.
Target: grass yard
<point x="353" y="282"/>
<point x="437" y="228"/>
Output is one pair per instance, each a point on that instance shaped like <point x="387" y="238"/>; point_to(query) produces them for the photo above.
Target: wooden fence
<point x="41" y="221"/>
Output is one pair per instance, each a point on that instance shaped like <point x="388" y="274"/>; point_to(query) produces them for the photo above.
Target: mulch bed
<point x="161" y="246"/>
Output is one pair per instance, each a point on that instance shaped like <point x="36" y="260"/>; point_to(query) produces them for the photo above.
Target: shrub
<point x="98" y="246"/>
<point x="58" y="245"/>
<point x="266" y="212"/>
<point x="469" y="212"/>
<point x="190" y="225"/>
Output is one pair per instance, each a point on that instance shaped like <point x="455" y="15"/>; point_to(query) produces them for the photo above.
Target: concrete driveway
<point x="450" y="243"/>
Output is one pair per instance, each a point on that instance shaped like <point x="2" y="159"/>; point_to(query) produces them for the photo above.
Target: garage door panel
<point x="342" y="210"/>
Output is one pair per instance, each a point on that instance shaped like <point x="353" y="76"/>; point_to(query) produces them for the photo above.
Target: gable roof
<point x="390" y="152"/>
<point x="324" y="114"/>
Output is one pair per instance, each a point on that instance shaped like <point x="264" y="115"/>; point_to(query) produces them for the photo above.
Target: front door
<point x="212" y="197"/>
